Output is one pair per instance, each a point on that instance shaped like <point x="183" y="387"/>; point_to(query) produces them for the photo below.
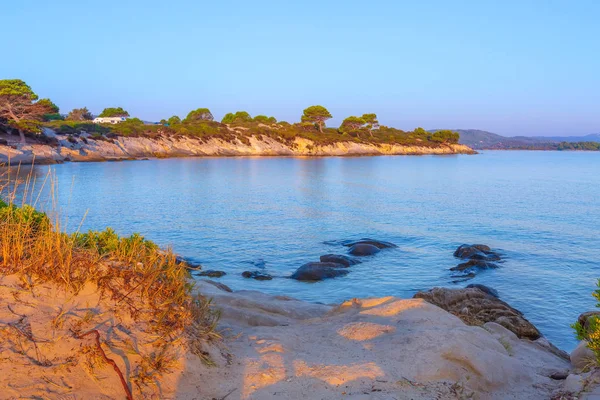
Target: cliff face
<point x="88" y="149"/>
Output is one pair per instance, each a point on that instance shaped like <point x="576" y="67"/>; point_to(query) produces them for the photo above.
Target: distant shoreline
<point x="69" y="148"/>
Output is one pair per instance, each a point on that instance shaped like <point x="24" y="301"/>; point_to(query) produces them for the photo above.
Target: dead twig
<point x="109" y="361"/>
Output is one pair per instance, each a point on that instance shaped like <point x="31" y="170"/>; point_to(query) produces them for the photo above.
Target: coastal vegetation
<point x="589" y="329"/>
<point x="21" y="109"/>
<point x="200" y="123"/>
<point x="134" y="279"/>
<point x="114" y="112"/>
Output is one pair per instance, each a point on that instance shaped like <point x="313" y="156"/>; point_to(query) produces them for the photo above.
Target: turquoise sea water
<point x="541" y="209"/>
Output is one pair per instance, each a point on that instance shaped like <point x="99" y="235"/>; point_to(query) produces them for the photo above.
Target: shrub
<point x="148" y="283"/>
<point x="590" y="332"/>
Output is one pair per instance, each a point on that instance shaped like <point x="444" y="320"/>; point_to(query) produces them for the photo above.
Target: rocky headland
<point x="84" y="147"/>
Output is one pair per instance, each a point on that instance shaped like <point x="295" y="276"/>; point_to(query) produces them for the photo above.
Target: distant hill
<point x="480" y="140"/>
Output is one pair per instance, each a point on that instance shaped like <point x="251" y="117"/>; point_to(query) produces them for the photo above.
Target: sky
<point x="510" y="67"/>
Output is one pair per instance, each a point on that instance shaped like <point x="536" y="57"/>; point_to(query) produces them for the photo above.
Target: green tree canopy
<point x="237" y="118"/>
<point x="352" y="124"/>
<point x="201" y="114"/>
<point x="371" y="121"/>
<point x="114" y="112"/>
<point x="53" y="108"/>
<point x="445" y="136"/>
<point x="19" y="106"/>
<point x="80" y="114"/>
<point x="316" y="115"/>
<point x="265" y="120"/>
<point x="174" y="120"/>
<point x="53" y="114"/>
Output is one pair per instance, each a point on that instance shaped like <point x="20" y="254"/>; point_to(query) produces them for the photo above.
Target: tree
<point x="371" y="121"/>
<point x="352" y="124"/>
<point x="114" y="112"/>
<point x="238" y="117"/>
<point x="265" y="120"/>
<point x="174" y="120"/>
<point x="19" y="106"/>
<point x="53" y="110"/>
<point x="445" y="136"/>
<point x="316" y="115"/>
<point x="201" y="114"/>
<point x="80" y="114"/>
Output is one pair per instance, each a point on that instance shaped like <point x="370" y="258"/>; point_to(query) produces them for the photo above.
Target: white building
<point x="109" y="120"/>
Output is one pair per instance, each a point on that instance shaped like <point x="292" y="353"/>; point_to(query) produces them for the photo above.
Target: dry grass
<point x="135" y="275"/>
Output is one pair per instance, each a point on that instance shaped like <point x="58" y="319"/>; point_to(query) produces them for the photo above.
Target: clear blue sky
<point x="511" y="67"/>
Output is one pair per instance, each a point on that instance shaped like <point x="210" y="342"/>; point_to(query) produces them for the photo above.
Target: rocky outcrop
<point x="317" y="271"/>
<point x="363" y="249"/>
<point x="472" y="265"/>
<point x="380" y="244"/>
<point x="126" y="148"/>
<point x="476" y="307"/>
<point x="484" y="289"/>
<point x="340" y="259"/>
<point x="211" y="273"/>
<point x="257" y="275"/>
<point x="476" y="257"/>
<point x="476" y="252"/>
<point x="379" y="348"/>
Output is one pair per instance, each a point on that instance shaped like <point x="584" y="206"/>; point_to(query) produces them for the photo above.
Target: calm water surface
<point x="542" y="209"/>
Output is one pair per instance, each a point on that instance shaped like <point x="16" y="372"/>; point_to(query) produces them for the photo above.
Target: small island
<point x="33" y="129"/>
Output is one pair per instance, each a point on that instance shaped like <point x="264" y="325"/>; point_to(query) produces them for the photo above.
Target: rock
<point x="363" y="249"/>
<point x="465" y="251"/>
<point x="377" y="243"/>
<point x="259" y="276"/>
<point x="188" y="263"/>
<point x="484" y="289"/>
<point x="482" y="247"/>
<point x="574" y="384"/>
<point x="485" y="257"/>
<point x="546" y="345"/>
<point x="584" y="318"/>
<point x="474" y="264"/>
<point x="476" y="252"/>
<point x="218" y="285"/>
<point x="559" y="375"/>
<point x="462" y="278"/>
<point x="476" y="307"/>
<point x="582" y="357"/>
<point x="211" y="273"/>
<point x="340" y="259"/>
<point x="317" y="271"/>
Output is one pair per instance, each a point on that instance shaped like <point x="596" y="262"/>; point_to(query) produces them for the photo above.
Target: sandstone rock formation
<point x="475" y="307"/>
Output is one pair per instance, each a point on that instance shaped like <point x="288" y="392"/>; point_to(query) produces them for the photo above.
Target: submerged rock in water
<point x="258" y="275"/>
<point x="462" y="278"/>
<point x="218" y="285"/>
<point x="340" y="259"/>
<point x="363" y="249"/>
<point x="476" y="307"/>
<point x="484" y="289"/>
<point x="476" y="252"/>
<point x="317" y="271"/>
<point x="211" y="273"/>
<point x="474" y="264"/>
<point x="380" y="244"/>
